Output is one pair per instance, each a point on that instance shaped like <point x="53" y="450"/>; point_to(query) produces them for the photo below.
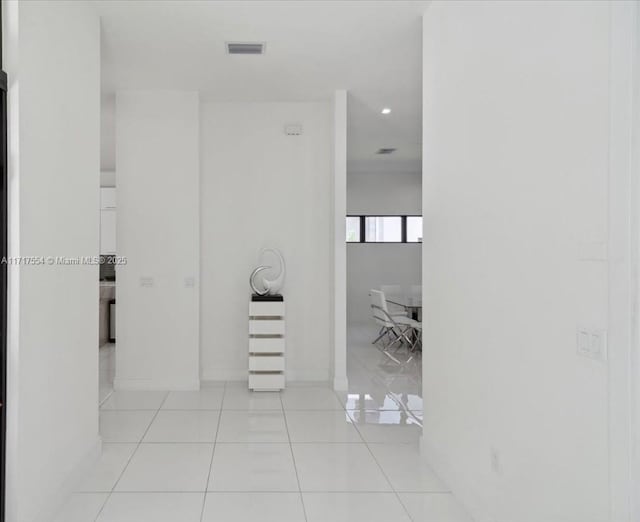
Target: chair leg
<point x="392" y="355"/>
<point x="405" y="337"/>
<point x="418" y="342"/>
<point x="402" y="339"/>
<point x="382" y="333"/>
<point x="387" y="333"/>
<point x="396" y="340"/>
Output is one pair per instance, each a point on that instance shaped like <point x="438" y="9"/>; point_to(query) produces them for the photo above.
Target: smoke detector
<point x="246" y="47"/>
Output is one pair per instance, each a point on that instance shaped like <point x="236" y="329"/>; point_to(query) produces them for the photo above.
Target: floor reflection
<point x="380" y="390"/>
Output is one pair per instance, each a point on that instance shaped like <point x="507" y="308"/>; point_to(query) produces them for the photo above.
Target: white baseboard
<point x="462" y="489"/>
<point x="308" y="375"/>
<point x="206" y="384"/>
<point x="226" y="374"/>
<point x="156" y="384"/>
<point x="72" y="481"/>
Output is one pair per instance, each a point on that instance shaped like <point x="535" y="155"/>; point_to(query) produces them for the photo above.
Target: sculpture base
<point x="271" y="298"/>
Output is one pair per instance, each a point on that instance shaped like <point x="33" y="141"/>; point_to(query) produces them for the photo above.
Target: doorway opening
<point x="383" y="236"/>
<point x="108" y="249"/>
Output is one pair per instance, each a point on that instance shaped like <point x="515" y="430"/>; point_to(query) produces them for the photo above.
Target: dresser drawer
<point x="268" y="363"/>
<point x="266" y="345"/>
<point x="266" y="381"/>
<point x="266" y="327"/>
<point x="273" y="309"/>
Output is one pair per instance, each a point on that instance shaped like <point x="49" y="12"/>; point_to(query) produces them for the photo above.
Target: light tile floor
<point x="107" y="366"/>
<point x="304" y="455"/>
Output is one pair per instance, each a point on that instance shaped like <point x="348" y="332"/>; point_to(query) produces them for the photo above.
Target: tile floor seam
<point x="384" y="474"/>
<point x="342" y="408"/>
<point x="110" y="494"/>
<point x="107" y="410"/>
<point x="293" y="458"/>
<point x="187" y="409"/>
<point x="101" y="507"/>
<point x="378" y="389"/>
<point x="407" y="411"/>
<point x="174" y="443"/>
<point x="104" y="400"/>
<point x="402" y="406"/>
<point x="213" y="452"/>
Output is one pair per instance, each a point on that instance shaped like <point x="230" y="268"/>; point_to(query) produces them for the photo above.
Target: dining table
<point x="410" y="301"/>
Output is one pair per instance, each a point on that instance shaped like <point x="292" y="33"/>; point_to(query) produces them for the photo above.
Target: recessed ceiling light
<point x="386" y="110"/>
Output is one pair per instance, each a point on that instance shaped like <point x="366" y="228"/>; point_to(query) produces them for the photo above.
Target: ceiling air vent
<point x="245" y="47"/>
<point x="386" y="151"/>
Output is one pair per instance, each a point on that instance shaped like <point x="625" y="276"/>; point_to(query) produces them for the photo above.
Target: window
<point x="414" y="229"/>
<point x="384" y="229"/>
<point x="353" y="229"/>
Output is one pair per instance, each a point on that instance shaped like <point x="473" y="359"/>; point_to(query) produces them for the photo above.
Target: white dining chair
<point x="385" y="330"/>
<point x="400" y="329"/>
<point x="395" y="290"/>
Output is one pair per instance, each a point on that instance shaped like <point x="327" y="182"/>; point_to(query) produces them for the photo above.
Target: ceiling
<point x="370" y="48"/>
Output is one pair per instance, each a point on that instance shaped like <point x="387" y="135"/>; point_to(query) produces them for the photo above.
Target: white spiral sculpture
<point x="269" y="286"/>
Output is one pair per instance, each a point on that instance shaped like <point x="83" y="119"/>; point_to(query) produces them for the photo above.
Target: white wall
<point x="107" y="178"/>
<point x="516" y="129"/>
<point x="371" y="265"/>
<point x="52" y="58"/>
<point x="339" y="193"/>
<point x="108" y="132"/>
<point x="108" y="140"/>
<point x="157" y="143"/>
<point x="262" y="188"/>
<point x="634" y="264"/>
<point x="622" y="251"/>
<point x="388" y="192"/>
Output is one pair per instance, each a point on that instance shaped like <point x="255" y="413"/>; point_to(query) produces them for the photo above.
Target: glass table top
<point x="408" y="300"/>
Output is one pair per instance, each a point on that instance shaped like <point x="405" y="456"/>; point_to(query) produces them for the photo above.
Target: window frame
<point x="403" y="229"/>
<point x="360" y="228"/>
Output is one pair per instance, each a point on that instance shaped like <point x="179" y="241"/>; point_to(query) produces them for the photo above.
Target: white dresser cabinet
<point x="266" y="345"/>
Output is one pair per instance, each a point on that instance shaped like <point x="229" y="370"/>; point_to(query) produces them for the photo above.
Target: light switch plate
<point x="599" y="344"/>
<point x="584" y="342"/>
<point x="592" y="343"/>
